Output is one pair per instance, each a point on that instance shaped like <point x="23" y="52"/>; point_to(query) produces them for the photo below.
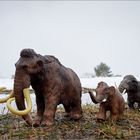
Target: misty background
<point x="81" y="34"/>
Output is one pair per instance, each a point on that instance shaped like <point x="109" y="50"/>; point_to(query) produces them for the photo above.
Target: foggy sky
<point x="80" y="34"/>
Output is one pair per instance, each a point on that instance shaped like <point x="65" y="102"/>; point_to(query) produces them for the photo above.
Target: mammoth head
<point x="103" y="91"/>
<point x="29" y="61"/>
<point x="129" y="83"/>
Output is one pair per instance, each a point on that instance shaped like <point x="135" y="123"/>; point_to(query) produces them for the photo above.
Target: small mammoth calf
<point x="114" y="101"/>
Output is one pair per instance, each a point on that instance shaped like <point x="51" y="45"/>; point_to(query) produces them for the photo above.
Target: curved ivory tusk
<point x="124" y="91"/>
<point x="117" y="87"/>
<point x="6" y="98"/>
<point x="86" y="90"/>
<point x="2" y="88"/>
<point x="28" y="100"/>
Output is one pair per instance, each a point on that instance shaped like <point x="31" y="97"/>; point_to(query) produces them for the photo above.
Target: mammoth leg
<point x="76" y="110"/>
<point x="130" y="104"/>
<point x="139" y="105"/>
<point x="67" y="110"/>
<point x="102" y="113"/>
<point x="51" y="102"/>
<point x="114" y="116"/>
<point x="40" y="109"/>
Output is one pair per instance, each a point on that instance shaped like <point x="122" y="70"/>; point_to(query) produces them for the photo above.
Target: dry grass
<point x="14" y="128"/>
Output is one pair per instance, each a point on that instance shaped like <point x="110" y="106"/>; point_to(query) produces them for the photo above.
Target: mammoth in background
<point x="110" y="100"/>
<point x="132" y="87"/>
<point x="53" y="84"/>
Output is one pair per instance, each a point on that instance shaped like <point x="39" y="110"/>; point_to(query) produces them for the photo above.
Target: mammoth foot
<point x="28" y="120"/>
<point x="101" y="117"/>
<point x="43" y="123"/>
<point x="100" y="120"/>
<point x="47" y="123"/>
<point x="37" y="121"/>
<point x="67" y="115"/>
<point x="114" y="117"/>
<point x="76" y="116"/>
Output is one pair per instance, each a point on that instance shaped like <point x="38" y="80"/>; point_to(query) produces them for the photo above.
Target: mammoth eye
<point x="106" y="91"/>
<point x="24" y="67"/>
<point x="34" y="67"/>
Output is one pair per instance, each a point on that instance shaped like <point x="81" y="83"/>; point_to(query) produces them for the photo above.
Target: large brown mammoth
<point x="114" y="101"/>
<point x="53" y="84"/>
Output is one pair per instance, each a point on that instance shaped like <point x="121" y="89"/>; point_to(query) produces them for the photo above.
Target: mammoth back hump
<point x="51" y="58"/>
<point x="67" y="75"/>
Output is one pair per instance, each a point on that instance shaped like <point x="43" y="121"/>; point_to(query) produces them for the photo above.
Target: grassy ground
<point x="128" y="128"/>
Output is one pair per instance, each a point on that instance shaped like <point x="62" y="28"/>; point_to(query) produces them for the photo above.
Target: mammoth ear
<point x="112" y="90"/>
<point x="40" y="63"/>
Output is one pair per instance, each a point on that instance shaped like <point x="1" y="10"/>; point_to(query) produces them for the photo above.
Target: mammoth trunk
<point x="93" y="98"/>
<point x="21" y="81"/>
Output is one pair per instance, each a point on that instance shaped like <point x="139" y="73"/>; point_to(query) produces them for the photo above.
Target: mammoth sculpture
<point x="114" y="101"/>
<point x="132" y="87"/>
<point x="53" y="84"/>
